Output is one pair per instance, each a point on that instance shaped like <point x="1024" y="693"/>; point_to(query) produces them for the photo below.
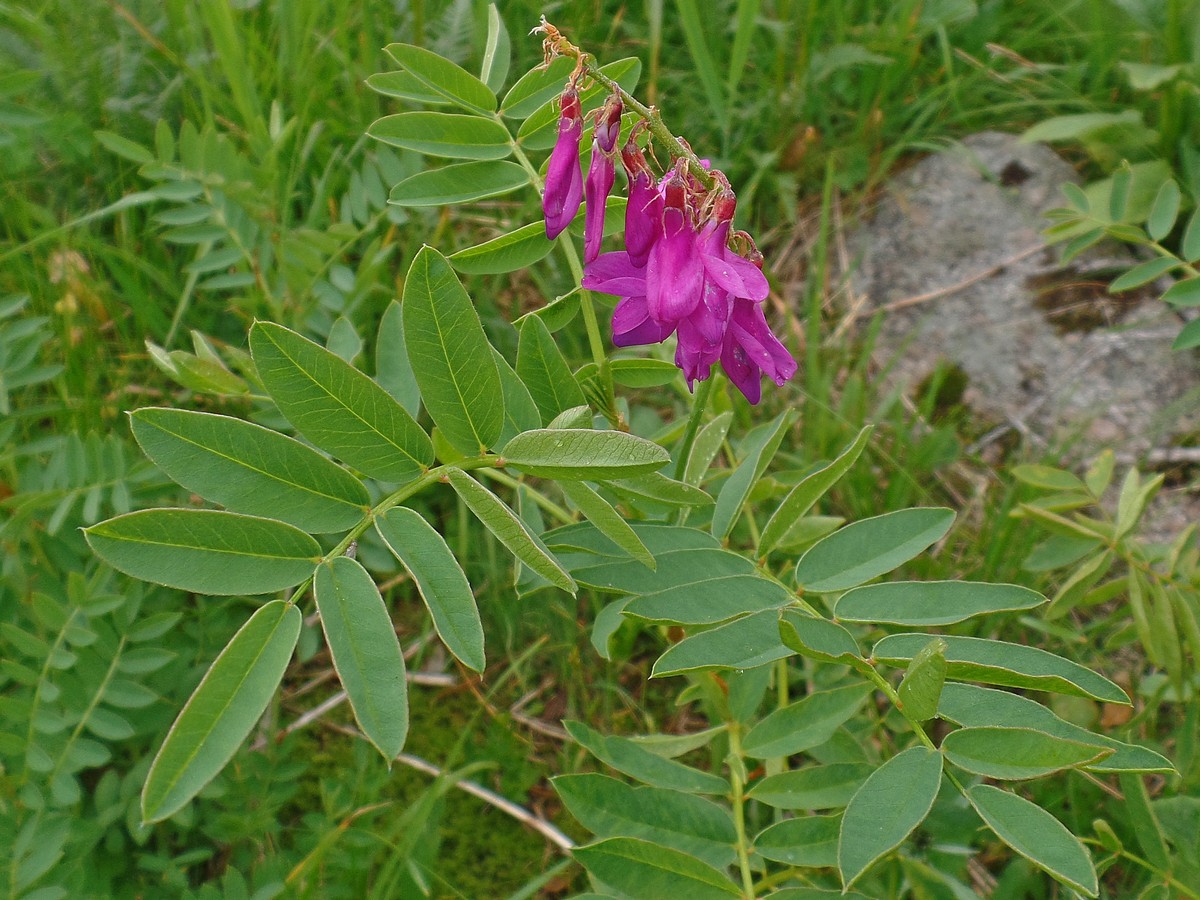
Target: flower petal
<point x="674" y="271"/>
<point x="643" y="217"/>
<point x="613" y="273"/>
<point x="632" y="324"/>
<point x="564" y="179"/>
<point x="599" y="182"/>
<point x="733" y="273"/>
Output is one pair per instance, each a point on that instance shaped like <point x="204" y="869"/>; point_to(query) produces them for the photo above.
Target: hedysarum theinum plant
<point x="683" y="271"/>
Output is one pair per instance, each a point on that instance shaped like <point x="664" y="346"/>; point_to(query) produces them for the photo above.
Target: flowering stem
<point x="653" y="118"/>
<point x="593" y="328"/>
<point x="693" y="426"/>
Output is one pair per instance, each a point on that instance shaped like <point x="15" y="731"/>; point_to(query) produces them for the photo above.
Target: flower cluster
<point x="683" y="270"/>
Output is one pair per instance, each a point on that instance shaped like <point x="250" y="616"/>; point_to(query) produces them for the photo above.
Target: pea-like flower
<point x="679" y="272"/>
<point x="564" y="178"/>
<point x="721" y="320"/>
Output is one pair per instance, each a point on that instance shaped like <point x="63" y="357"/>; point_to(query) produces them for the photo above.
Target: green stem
<point x="398" y="496"/>
<point x="1166" y="877"/>
<point x="890" y="692"/>
<point x="563" y="515"/>
<point x="736" y="770"/>
<point x="675" y="147"/>
<point x="699" y="405"/>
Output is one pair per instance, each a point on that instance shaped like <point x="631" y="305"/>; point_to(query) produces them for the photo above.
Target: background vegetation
<point x="172" y="171"/>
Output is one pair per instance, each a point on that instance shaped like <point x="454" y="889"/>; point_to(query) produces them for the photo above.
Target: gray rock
<point x="954" y="256"/>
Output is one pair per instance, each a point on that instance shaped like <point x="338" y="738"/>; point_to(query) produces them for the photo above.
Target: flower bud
<point x="564" y="179"/>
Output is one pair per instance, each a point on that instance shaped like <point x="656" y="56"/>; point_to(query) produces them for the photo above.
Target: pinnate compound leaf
<point x="761" y="445"/>
<point x="744" y="643"/>
<point x="451" y="356"/>
<point x="641" y="869"/>
<point x="577" y="453"/>
<point x="810" y="841"/>
<point x="250" y="469"/>
<point x="610" y="808"/>
<point x="337" y="407"/>
<point x="814" y="486"/>
<point x="206" y="551"/>
<point x="932" y="602"/>
<point x="510" y="530"/>
<point x="972" y="706"/>
<point x="807" y="723"/>
<point x="1014" y="754"/>
<point x="507" y="253"/>
<point x="608" y="520"/>
<point x="630" y="758"/>
<point x="459" y="183"/>
<point x="1036" y="835"/>
<point x="1012" y="665"/>
<point x="440" y="580"/>
<point x="443" y="134"/>
<point x="443" y="77"/>
<point x="366" y="652"/>
<point x="893" y="801"/>
<point x="222" y="710"/>
<point x="868" y="548"/>
<point x="819" y="639"/>
<point x="812" y="787"/>
<point x="541" y="366"/>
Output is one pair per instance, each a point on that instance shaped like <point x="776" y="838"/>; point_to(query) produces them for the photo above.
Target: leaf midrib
<point x="255" y="469"/>
<point x="171" y="783"/>
<point x="340" y="403"/>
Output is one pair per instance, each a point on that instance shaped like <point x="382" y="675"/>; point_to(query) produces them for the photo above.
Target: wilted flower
<point x="750" y="351"/>
<point x="564" y="179"/>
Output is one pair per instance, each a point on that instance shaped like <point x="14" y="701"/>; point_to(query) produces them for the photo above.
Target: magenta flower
<point x="750" y="351"/>
<point x="643" y="213"/>
<point x="725" y="322"/>
<point x="564" y="179"/>
<point x="674" y="269"/>
<point x="601" y="174"/>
